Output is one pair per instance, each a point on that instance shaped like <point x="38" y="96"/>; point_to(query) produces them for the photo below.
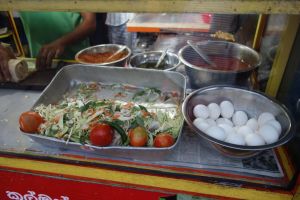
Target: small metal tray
<point x="70" y="76"/>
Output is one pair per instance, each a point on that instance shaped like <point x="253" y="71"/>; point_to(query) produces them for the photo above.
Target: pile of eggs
<point x="224" y="123"/>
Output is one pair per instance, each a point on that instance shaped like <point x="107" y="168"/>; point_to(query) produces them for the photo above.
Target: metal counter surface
<point x="192" y="151"/>
<point x="12" y="103"/>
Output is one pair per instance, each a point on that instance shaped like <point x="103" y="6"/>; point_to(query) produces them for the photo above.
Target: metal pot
<point x="170" y="62"/>
<point x="102" y="49"/>
<point x="200" y="76"/>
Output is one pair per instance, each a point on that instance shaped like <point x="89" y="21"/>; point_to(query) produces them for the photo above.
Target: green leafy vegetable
<point x="148" y="94"/>
<point x="73" y="118"/>
<point x="119" y="130"/>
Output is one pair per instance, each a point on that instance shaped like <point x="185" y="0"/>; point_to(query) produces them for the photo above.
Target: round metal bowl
<point x="170" y="62"/>
<point x="200" y="76"/>
<point x="102" y="49"/>
<point x="252" y="102"/>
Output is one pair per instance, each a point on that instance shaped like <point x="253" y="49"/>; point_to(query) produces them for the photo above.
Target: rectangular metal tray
<point x="70" y="76"/>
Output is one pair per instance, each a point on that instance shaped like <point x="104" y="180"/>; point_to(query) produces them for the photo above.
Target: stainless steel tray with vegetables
<point x="109" y="110"/>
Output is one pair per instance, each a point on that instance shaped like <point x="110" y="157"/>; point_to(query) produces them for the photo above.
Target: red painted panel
<point x="21" y="186"/>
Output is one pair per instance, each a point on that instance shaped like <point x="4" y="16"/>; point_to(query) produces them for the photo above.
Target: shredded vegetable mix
<point x="73" y="118"/>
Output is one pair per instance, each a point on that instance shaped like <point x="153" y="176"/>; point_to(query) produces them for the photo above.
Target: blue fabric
<point x="119" y="35"/>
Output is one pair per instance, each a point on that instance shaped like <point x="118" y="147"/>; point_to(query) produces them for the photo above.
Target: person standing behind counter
<point x="53" y="35"/>
<point x="117" y="33"/>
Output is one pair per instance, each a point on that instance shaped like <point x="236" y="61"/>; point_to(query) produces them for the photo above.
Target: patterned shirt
<point x="117" y="19"/>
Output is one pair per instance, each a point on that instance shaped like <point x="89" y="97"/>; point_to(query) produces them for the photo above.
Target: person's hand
<point x="5" y="56"/>
<point x="47" y="53"/>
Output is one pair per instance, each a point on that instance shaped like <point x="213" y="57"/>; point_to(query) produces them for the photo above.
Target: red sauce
<point x="100" y="57"/>
<point x="222" y="63"/>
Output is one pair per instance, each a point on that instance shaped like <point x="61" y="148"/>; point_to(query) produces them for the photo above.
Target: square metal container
<point x="70" y="76"/>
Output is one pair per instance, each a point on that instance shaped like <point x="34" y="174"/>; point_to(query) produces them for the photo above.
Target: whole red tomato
<point x="163" y="140"/>
<point x="138" y="136"/>
<point x="30" y="121"/>
<point x="101" y="135"/>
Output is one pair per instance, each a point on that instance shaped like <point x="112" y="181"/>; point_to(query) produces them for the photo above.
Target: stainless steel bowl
<point x="199" y="76"/>
<point x="102" y="49"/>
<point x="252" y="102"/>
<point x="170" y="62"/>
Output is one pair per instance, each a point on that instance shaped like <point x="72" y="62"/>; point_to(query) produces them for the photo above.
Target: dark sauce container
<point x="148" y="60"/>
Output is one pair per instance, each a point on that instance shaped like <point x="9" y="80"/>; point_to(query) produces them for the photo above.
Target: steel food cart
<point x="29" y="170"/>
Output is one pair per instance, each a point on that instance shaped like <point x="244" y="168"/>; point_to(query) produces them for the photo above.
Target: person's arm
<point x="56" y="48"/>
<point x="5" y="55"/>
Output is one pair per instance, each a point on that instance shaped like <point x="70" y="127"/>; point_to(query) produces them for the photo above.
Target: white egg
<point x="227" y="128"/>
<point x="224" y="121"/>
<point x="214" y="110"/>
<point x="201" y="111"/>
<point x="239" y="118"/>
<point x="264" y="117"/>
<point x="236" y="128"/>
<point x="254" y="140"/>
<point x="216" y="132"/>
<point x="268" y="133"/>
<point x="227" y="109"/>
<point x="244" y="131"/>
<point x="201" y="124"/>
<point x="211" y="122"/>
<point x="199" y="120"/>
<point x="235" y="139"/>
<point x="252" y="123"/>
<point x="276" y="125"/>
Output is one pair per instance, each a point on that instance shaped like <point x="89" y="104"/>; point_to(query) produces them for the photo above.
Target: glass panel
<point x="225" y="43"/>
<point x="269" y="45"/>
